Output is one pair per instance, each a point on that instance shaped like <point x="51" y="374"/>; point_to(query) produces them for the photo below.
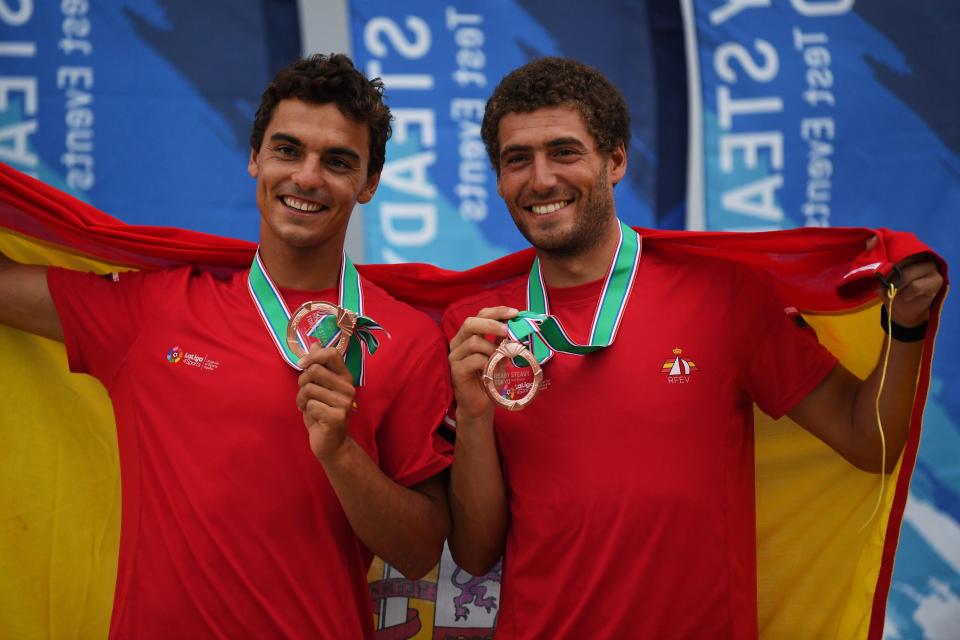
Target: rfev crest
<point x="679" y="369"/>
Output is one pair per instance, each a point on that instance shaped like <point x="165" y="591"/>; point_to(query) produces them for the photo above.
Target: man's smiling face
<point x="555" y="182"/>
<point x="311" y="170"/>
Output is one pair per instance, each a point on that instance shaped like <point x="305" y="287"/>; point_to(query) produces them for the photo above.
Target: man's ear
<point x="370" y="188"/>
<point x="617" y="167"/>
<point x="252" y="167"/>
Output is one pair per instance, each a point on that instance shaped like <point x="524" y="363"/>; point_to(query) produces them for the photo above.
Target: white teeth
<point x="549" y="208"/>
<point x="301" y="205"/>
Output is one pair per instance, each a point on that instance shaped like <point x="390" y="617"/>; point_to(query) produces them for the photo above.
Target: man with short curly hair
<point x="622" y="498"/>
<point x="329" y="79"/>
<point x="236" y="523"/>
<point x="551" y="82"/>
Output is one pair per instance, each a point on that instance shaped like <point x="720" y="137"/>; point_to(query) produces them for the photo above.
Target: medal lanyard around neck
<point x="275" y="314"/>
<point x="544" y="332"/>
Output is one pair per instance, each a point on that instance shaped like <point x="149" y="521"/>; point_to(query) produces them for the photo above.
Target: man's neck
<point x="593" y="264"/>
<point x="313" y="269"/>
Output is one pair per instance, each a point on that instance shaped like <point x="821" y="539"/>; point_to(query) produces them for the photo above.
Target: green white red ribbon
<point x="276" y="315"/>
<point x="544" y="334"/>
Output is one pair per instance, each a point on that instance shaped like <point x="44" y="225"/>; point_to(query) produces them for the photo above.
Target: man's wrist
<point x="465" y="417"/>
<point x="340" y="456"/>
<point x="899" y="332"/>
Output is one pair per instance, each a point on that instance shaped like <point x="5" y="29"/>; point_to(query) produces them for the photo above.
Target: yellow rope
<point x="892" y="293"/>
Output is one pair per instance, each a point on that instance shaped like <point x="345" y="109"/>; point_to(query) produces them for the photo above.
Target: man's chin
<point x="298" y="238"/>
<point x="554" y="244"/>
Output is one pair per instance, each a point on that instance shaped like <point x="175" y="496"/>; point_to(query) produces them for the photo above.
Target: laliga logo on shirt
<point x="203" y="362"/>
<point x="677" y="368"/>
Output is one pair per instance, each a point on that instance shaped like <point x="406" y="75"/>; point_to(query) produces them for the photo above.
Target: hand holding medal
<point x="512" y="375"/>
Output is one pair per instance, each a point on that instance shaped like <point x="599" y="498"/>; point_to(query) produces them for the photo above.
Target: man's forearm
<point x="25" y="301"/>
<point x="403" y="526"/>
<point x="896" y="403"/>
<point x="478" y="502"/>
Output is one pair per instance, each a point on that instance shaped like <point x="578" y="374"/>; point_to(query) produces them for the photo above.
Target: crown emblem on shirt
<point x="678" y="368"/>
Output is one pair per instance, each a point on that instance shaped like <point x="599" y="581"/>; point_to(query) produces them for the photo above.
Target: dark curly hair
<point x="324" y="79"/>
<point x="549" y="82"/>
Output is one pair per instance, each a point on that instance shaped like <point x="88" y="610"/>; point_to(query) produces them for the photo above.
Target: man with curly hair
<point x="623" y="506"/>
<point x="236" y="522"/>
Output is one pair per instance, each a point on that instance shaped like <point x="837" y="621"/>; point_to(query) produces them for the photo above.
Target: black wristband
<point x="901" y="333"/>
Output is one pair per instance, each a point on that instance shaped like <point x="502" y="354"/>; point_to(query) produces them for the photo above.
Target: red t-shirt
<point x="630" y="478"/>
<point x="229" y="525"/>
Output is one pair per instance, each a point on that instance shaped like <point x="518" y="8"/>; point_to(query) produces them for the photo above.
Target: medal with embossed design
<point x="510" y="386"/>
<point x="513" y="387"/>
<point x="342" y="326"/>
<point x="323" y="323"/>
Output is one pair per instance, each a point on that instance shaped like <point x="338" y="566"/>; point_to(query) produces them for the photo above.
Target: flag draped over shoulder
<point x="819" y="574"/>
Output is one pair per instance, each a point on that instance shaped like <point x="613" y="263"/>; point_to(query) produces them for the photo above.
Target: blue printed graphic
<point x="143" y="107"/>
<point x="437" y="200"/>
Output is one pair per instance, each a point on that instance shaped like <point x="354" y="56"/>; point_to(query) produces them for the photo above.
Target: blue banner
<point x="437" y="201"/>
<point x="139" y="107"/>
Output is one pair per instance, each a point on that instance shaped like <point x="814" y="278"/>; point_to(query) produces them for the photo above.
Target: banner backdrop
<point x="805" y="112"/>
<point x="133" y="106"/>
<point x="831" y="113"/>
<point x="439" y="62"/>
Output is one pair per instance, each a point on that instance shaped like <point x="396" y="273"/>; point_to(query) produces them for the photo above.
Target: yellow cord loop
<point x="891" y="294"/>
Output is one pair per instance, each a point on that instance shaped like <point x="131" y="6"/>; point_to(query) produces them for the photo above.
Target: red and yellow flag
<point x="820" y="573"/>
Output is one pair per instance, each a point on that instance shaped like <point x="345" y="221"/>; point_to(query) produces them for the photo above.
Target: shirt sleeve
<point x="409" y="445"/>
<point x="102" y="316"/>
<point x="781" y="360"/>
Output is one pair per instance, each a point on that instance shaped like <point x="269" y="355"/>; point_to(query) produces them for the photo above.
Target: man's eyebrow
<point x="286" y="137"/>
<point x="336" y="151"/>
<point x="343" y="151"/>
<point x="557" y="142"/>
<point x="514" y="148"/>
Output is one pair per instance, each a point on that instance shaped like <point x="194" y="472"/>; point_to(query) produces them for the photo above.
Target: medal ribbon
<point x="275" y="314"/>
<point x="544" y="334"/>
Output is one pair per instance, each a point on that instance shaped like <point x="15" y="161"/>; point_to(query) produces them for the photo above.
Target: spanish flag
<point x="821" y="573"/>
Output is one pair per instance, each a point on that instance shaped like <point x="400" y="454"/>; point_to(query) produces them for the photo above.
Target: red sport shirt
<point x="630" y="478"/>
<point x="229" y="526"/>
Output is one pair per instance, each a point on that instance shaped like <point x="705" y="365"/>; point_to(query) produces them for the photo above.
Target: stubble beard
<point x="589" y="227"/>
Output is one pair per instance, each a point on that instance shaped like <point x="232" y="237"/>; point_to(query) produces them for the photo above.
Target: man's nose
<point x="308" y="175"/>
<point x="542" y="176"/>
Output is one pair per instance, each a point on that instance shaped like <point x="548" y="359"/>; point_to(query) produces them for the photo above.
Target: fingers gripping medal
<point x="320" y="322"/>
<point x="512" y="387"/>
<point x="504" y="382"/>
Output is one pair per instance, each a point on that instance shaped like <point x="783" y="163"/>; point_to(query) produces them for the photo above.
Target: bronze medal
<point x="305" y="324"/>
<point x="505" y="383"/>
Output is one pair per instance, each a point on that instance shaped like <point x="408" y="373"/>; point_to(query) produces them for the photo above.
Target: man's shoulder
<point x="186" y="273"/>
<point x="710" y="269"/>
<point x="71" y="280"/>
